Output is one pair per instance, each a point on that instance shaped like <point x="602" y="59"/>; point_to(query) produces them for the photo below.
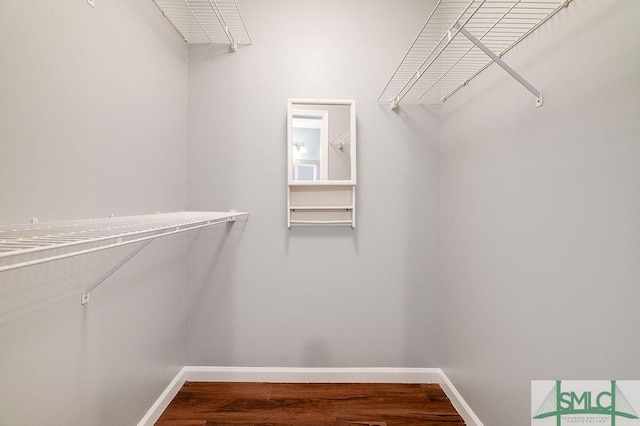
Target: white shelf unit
<point x="32" y="244"/>
<point x="206" y="21"/>
<point x="459" y="40"/>
<point x="322" y="204"/>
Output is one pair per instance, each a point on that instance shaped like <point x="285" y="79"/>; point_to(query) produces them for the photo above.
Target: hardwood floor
<point x="315" y="404"/>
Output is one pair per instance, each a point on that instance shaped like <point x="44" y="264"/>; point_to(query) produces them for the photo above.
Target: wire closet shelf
<point x="206" y="21"/>
<point x="444" y="58"/>
<point x="32" y="244"/>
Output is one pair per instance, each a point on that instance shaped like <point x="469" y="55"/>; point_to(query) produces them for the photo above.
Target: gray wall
<point x="312" y="297"/>
<point x="535" y="229"/>
<point x="540" y="207"/>
<point x="92" y="122"/>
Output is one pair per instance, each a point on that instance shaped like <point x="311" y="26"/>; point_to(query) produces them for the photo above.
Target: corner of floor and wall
<point x="495" y="240"/>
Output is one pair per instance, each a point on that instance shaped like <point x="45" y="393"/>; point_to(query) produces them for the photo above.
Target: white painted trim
<point x="458" y="402"/>
<point x="310" y="375"/>
<point x="163" y="401"/>
<point x="313" y="375"/>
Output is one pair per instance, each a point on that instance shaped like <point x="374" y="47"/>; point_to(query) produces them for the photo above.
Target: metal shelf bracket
<point x="513" y="73"/>
<point x="85" y="294"/>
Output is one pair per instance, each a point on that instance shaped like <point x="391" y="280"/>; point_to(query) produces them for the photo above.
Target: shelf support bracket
<point x="85" y="294"/>
<point x="393" y="103"/>
<point x="505" y="66"/>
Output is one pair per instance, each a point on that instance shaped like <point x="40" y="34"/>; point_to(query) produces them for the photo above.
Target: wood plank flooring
<point x="309" y="404"/>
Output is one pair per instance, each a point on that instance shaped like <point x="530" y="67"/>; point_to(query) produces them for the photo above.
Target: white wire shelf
<point x="206" y="21"/>
<point x="32" y="244"/>
<point x="443" y="58"/>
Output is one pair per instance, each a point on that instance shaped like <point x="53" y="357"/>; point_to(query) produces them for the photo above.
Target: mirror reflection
<point x="320" y="142"/>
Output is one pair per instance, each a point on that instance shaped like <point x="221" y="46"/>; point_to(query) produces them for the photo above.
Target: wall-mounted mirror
<point x="321" y="162"/>
<point x="322" y="140"/>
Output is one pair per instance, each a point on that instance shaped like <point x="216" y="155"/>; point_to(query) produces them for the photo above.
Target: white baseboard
<point x="309" y="375"/>
<point x="313" y="375"/>
<point x="458" y="402"/>
<point x="163" y="401"/>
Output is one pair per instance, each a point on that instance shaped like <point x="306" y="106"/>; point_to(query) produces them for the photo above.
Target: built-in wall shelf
<point x="35" y="243"/>
<point x="206" y="21"/>
<point x="459" y="40"/>
<point x="322" y="205"/>
<point x="293" y="208"/>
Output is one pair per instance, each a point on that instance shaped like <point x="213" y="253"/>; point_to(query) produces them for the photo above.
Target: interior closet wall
<point x="92" y="122"/>
<point x="540" y="207"/>
<point x="312" y="296"/>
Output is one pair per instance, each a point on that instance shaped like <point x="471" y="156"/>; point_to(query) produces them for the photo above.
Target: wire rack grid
<point x="206" y="21"/>
<point x="26" y="245"/>
<point x="441" y="60"/>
